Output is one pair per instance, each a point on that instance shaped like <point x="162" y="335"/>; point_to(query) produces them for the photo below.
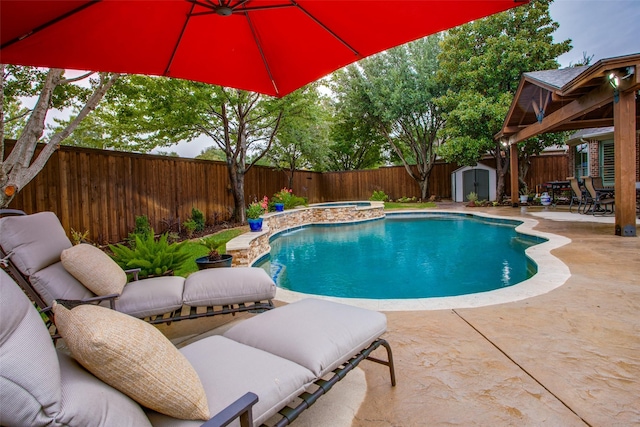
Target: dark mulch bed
<point x="208" y="230"/>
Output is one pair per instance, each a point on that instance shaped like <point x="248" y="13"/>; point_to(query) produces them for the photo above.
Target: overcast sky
<point x="603" y="28"/>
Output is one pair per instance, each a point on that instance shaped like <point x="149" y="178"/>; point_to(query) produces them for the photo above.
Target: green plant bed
<point x="195" y="249"/>
<point x="396" y="205"/>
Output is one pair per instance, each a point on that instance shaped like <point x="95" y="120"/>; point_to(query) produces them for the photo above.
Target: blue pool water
<point x="402" y="256"/>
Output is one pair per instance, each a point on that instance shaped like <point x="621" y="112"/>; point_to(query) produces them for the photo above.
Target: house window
<point x="607" y="165"/>
<point x="581" y="163"/>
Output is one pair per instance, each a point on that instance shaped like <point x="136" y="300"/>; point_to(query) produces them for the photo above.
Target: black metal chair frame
<point x="184" y="313"/>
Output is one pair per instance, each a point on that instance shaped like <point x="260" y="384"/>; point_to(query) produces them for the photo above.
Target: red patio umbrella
<point x="267" y="46"/>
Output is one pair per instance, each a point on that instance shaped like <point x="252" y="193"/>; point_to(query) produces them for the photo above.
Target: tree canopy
<point x="393" y="95"/>
<point x="481" y="64"/>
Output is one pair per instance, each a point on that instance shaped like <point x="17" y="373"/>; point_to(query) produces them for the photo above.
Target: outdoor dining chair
<point x="579" y="195"/>
<point x="601" y="202"/>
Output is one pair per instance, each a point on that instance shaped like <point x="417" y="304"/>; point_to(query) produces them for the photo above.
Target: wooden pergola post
<point x="624" y="140"/>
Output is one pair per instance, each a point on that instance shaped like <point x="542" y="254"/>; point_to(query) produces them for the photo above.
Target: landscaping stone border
<point x="249" y="247"/>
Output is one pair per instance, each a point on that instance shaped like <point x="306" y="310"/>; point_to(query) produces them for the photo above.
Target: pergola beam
<point x="589" y="102"/>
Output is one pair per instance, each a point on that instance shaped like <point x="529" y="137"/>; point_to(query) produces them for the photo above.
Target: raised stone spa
<point x="249" y="247"/>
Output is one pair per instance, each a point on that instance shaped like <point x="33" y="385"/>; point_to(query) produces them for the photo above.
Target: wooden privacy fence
<point x="103" y="191"/>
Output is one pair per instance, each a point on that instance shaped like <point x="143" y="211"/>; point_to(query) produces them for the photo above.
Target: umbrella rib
<point x="327" y="29"/>
<point x="48" y="24"/>
<point x="175" y="49"/>
<point x="264" y="59"/>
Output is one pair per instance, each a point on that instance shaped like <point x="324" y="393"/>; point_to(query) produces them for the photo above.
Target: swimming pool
<point x="402" y="256"/>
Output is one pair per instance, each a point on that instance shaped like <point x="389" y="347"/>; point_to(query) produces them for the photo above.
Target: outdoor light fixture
<point x="614" y="81"/>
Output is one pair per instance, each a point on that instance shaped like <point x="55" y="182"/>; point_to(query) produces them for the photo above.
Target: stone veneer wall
<point x="249" y="247"/>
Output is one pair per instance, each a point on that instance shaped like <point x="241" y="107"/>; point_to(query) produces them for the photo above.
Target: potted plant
<point x="524" y="194"/>
<point x="281" y="198"/>
<point x="255" y="212"/>
<point x="472" y="198"/>
<point x="213" y="259"/>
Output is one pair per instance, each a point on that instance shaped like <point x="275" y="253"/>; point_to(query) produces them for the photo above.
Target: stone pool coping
<point x="552" y="273"/>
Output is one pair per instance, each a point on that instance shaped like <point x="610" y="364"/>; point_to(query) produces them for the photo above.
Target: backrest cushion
<point x="41" y="387"/>
<point x="134" y="357"/>
<point x="94" y="269"/>
<point x="29" y="371"/>
<point x="36" y="240"/>
<point x="54" y="282"/>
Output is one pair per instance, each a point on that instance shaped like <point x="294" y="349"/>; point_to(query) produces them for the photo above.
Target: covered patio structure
<point x="603" y="94"/>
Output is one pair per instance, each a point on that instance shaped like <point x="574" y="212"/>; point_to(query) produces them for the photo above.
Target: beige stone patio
<point x="570" y="357"/>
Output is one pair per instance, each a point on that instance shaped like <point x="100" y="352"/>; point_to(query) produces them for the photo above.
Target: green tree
<point x="481" y="64"/>
<point x="212" y="153"/>
<point x="53" y="91"/>
<point x="354" y="143"/>
<point x="394" y="93"/>
<point x="301" y="142"/>
<point x="148" y="112"/>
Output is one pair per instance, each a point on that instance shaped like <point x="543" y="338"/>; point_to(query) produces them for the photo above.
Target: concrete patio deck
<point x="570" y="357"/>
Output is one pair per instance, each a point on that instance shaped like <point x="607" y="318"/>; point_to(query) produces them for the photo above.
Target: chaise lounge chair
<point x="124" y="372"/>
<point x="31" y="247"/>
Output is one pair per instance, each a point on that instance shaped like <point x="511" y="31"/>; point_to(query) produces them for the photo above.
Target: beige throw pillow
<point x="135" y="358"/>
<point x="94" y="269"/>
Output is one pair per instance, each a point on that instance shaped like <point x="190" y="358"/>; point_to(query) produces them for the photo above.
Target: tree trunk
<point x="424" y="189"/>
<point x="237" y="189"/>
<point x="20" y="168"/>
<point x="502" y="167"/>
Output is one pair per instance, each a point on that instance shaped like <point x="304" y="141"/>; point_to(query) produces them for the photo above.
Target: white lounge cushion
<point x="42" y="387"/>
<point x="151" y="297"/>
<point x="230" y="285"/>
<point x="54" y="282"/>
<point x="94" y="269"/>
<point x="228" y="370"/>
<point x="317" y="334"/>
<point x="36" y="240"/>
<point x="87" y="401"/>
<point x="29" y="372"/>
<point x="134" y="357"/>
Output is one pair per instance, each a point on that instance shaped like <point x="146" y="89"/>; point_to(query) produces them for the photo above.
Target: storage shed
<point x="480" y="179"/>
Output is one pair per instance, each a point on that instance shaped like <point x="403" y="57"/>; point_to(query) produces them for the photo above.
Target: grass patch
<point x="396" y="205"/>
<point x="197" y="249"/>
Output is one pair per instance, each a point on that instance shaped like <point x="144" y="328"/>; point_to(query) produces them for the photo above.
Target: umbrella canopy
<point x="267" y="46"/>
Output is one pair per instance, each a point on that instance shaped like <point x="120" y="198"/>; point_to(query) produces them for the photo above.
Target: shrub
<point x="472" y="197"/>
<point x="379" y="196"/>
<point x="198" y="217"/>
<point x="78" y="237"/>
<point x="141" y="229"/>
<point x="190" y="226"/>
<point x="289" y="200"/>
<point x="153" y="257"/>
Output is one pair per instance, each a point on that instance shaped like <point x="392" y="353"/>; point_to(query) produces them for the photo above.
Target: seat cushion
<point x="36" y="240"/>
<point x="94" y="269"/>
<point x="133" y="357"/>
<point x="228" y="370"/>
<point x="87" y="401"/>
<point x="231" y="285"/>
<point x="29" y="373"/>
<point x="151" y="297"/>
<point x="317" y="334"/>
